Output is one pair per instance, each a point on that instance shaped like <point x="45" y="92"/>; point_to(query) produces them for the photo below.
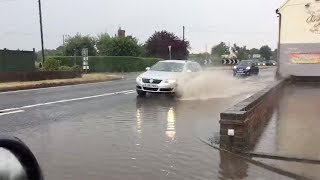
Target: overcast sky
<point x="208" y="22"/>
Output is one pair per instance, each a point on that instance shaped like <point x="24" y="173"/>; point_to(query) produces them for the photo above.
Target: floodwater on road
<point x="125" y="137"/>
<point x="294" y="130"/>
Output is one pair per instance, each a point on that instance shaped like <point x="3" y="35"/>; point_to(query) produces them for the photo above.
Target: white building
<point x="299" y="38"/>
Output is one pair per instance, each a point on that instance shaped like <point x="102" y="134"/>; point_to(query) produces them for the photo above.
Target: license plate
<point x="239" y="71"/>
<point x="150" y="85"/>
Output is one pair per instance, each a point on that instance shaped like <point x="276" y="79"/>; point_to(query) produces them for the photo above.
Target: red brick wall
<point x="248" y="118"/>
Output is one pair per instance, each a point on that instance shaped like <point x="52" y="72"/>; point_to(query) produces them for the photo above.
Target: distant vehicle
<point x="162" y="77"/>
<point x="258" y="62"/>
<point x="270" y="63"/>
<point x="264" y="63"/>
<point x="246" y="67"/>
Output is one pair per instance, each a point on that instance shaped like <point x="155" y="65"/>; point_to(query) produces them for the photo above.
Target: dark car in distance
<point x="270" y="63"/>
<point x="246" y="67"/>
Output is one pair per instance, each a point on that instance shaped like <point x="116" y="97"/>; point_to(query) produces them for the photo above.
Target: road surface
<point x="103" y="131"/>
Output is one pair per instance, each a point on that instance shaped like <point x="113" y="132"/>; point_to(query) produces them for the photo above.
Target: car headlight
<point x="234" y="67"/>
<point x="170" y="81"/>
<point x="139" y="79"/>
<point x="274" y="63"/>
<point x="248" y="68"/>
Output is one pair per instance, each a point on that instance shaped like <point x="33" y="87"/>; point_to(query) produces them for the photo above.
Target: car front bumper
<point x="156" y="88"/>
<point x="242" y="72"/>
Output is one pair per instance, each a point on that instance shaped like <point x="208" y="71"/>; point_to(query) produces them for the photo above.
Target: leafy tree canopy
<point x="75" y="44"/>
<point x="266" y="52"/>
<point x="158" y="46"/>
<point x="220" y="49"/>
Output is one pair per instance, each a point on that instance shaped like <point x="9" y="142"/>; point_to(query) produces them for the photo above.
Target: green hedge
<point x="109" y="63"/>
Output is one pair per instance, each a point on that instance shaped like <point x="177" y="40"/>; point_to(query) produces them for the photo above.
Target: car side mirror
<point x="17" y="160"/>
<point x="147" y="68"/>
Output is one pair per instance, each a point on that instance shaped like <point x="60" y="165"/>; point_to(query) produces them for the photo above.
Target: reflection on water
<point x="294" y="130"/>
<point x="138" y="116"/>
<point x="171" y="130"/>
<point x="232" y="167"/>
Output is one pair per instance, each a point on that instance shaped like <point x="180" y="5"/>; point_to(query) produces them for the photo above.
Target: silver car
<point x="162" y="77"/>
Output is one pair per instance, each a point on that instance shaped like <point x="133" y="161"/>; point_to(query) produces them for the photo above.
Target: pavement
<point x="104" y="131"/>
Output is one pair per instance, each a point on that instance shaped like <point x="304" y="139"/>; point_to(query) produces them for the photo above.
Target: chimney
<point x="121" y="33"/>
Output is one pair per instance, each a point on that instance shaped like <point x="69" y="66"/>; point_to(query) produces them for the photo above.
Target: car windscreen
<point x="168" y="67"/>
<point x="245" y="63"/>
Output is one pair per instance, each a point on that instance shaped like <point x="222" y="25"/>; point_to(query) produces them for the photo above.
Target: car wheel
<point x="141" y="93"/>
<point x="234" y="74"/>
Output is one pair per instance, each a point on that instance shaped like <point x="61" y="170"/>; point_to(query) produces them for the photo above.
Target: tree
<point x="265" y="52"/>
<point x="275" y="55"/>
<point x="220" y="49"/>
<point x="157" y="46"/>
<point x="254" y="51"/>
<point x="118" y="46"/>
<point x="124" y="46"/>
<point x="241" y="52"/>
<point x="75" y="44"/>
<point x="104" y="42"/>
<point x="50" y="52"/>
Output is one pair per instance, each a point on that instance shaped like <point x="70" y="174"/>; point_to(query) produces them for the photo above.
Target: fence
<point x="17" y="61"/>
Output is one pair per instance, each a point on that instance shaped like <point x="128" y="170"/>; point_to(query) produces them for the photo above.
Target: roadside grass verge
<point x="86" y="78"/>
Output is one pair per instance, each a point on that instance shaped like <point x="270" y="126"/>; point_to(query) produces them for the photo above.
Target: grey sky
<point x="246" y="22"/>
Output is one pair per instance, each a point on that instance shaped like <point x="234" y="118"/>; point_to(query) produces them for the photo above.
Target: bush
<point x="51" y="64"/>
<point x="110" y="63"/>
<point x="69" y="60"/>
<point x="65" y="68"/>
<point x="77" y="68"/>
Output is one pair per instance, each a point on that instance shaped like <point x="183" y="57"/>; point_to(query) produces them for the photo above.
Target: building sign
<point x="256" y="56"/>
<point x="314" y="21"/>
<point x="305" y="58"/>
<point x="85" y="59"/>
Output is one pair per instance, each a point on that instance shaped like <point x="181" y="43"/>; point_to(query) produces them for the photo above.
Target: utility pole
<point x="183" y="29"/>
<point x="63" y="41"/>
<point x="75" y="57"/>
<point x="41" y="30"/>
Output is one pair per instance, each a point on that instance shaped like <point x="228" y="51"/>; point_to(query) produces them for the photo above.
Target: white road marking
<point x="11" y="112"/>
<point x="65" y="100"/>
<point x="130" y="92"/>
<point x="55" y="87"/>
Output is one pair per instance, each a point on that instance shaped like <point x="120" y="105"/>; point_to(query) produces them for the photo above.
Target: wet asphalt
<point x="293" y="130"/>
<point x="104" y="131"/>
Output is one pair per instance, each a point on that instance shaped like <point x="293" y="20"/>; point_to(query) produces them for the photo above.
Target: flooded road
<point x="124" y="137"/>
